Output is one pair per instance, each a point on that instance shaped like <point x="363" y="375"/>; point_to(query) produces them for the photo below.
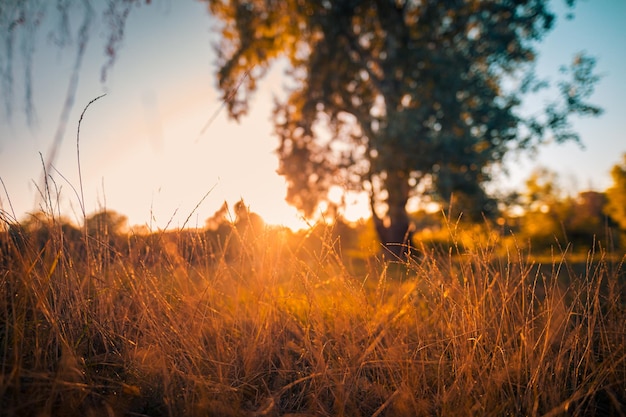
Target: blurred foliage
<point x="548" y="217"/>
<point x="616" y="195"/>
<point x="539" y="219"/>
<point x="105" y="223"/>
<point x="398" y="98"/>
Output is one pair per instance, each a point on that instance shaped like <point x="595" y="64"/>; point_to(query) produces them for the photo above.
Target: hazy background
<point x="141" y="149"/>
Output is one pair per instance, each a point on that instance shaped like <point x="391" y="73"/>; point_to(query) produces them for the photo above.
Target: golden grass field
<point x="268" y="323"/>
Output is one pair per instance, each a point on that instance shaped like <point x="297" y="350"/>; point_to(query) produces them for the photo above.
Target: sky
<point x="142" y="153"/>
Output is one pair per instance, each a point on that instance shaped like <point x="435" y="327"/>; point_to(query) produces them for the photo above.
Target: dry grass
<point x="276" y="329"/>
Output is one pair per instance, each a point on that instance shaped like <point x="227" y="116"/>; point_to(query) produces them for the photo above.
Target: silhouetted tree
<point x="106" y="223"/>
<point x="106" y="234"/>
<point x="412" y="95"/>
<point x="248" y="230"/>
<point x="247" y="221"/>
<point x="43" y="236"/>
<point x="218" y="218"/>
<point x="587" y="221"/>
<point x="218" y="229"/>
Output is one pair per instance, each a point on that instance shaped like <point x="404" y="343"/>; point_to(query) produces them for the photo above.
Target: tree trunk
<point x="394" y="230"/>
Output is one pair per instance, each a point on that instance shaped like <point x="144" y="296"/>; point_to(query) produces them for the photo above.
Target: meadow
<point x="267" y="322"/>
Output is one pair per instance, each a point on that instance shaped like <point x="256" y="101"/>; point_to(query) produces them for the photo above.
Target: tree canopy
<point x="397" y="98"/>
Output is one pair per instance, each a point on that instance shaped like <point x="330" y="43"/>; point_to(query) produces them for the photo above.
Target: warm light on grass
<point x="267" y="322"/>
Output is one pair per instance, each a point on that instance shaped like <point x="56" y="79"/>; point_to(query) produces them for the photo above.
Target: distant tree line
<point x="106" y="237"/>
<point x="540" y="216"/>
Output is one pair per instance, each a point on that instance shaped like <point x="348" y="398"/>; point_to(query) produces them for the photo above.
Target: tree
<point x="543" y="191"/>
<point x="248" y="223"/>
<point x="549" y="215"/>
<point x="545" y="207"/>
<point x="587" y="222"/>
<point x="105" y="231"/>
<point x="105" y="223"/>
<point x="616" y="195"/>
<point x="397" y="98"/>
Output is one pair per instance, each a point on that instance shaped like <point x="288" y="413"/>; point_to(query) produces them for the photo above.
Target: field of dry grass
<point x="267" y="325"/>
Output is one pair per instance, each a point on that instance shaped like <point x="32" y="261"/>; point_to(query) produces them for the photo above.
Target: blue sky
<point x="140" y="145"/>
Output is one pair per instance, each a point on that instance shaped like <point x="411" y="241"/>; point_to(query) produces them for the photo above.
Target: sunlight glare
<point x="163" y="168"/>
